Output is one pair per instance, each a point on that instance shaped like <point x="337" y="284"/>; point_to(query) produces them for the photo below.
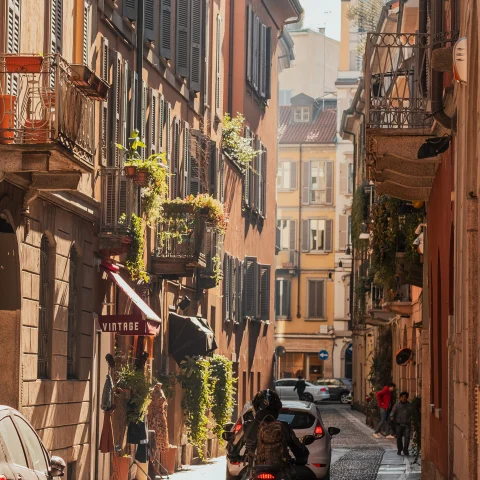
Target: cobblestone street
<point x="356" y="454"/>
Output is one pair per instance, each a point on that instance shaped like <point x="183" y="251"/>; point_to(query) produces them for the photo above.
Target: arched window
<point x="72" y="316"/>
<point x="43" y="308"/>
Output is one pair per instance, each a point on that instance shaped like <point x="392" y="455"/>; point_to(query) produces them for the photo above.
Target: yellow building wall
<point x="345" y="38"/>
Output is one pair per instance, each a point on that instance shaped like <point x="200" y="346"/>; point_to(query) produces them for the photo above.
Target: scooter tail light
<point x="266" y="476"/>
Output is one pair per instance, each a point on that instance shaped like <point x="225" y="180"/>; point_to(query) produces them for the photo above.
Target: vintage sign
<point x="128" y="325"/>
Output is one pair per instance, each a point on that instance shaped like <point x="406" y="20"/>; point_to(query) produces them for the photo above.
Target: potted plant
<point x="130" y="170"/>
<point x="23" y="63"/>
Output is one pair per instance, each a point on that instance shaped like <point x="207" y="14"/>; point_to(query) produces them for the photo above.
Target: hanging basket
<point x="130" y="171"/>
<point x="23" y="64"/>
<point x="141" y="178"/>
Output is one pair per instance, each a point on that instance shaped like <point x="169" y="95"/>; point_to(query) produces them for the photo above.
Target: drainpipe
<point x="299" y="314"/>
<point x="230" y="66"/>
<point x="140" y="30"/>
<point x="439" y="115"/>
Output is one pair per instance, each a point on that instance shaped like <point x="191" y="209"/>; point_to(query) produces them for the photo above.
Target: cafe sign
<point x="128" y="325"/>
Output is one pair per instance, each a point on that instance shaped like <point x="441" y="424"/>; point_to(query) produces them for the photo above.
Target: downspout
<point x="438" y="112"/>
<point x="140" y="34"/>
<point x="299" y="314"/>
<point x="230" y="65"/>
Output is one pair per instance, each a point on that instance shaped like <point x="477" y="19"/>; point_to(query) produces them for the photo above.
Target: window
<point x="256" y="289"/>
<point x="302" y="115"/>
<point x="317" y="182"/>
<point x="317" y="235"/>
<point x="285" y="97"/>
<point x="318" y="189"/>
<point x="287" y="176"/>
<point x="56" y="25"/>
<point x="43" y="308"/>
<point x="33" y="445"/>
<point x="72" y="316"/>
<point x="12" y="442"/>
<point x="282" y="299"/>
<point x="264" y="298"/>
<point x="316" y="299"/>
<point x="350" y="178"/>
<point x="228" y="288"/>
<point x="346" y="178"/>
<point x="344" y="234"/>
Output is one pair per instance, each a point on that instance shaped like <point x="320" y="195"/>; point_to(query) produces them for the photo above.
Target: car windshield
<point x="296" y="419"/>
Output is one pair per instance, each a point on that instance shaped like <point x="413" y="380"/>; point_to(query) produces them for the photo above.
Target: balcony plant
<point x="135" y="263"/>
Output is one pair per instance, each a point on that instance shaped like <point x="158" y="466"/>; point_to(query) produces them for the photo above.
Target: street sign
<point x="323" y="355"/>
<point x="349" y="349"/>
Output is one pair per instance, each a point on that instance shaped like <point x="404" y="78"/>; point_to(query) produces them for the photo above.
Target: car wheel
<point x="307" y="397"/>
<point x="229" y="476"/>
<point x="344" y="398"/>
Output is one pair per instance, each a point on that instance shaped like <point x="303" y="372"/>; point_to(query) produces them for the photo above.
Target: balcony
<point x="119" y="204"/>
<point x="287" y="260"/>
<point x="47" y="119"/>
<point x="397" y="117"/>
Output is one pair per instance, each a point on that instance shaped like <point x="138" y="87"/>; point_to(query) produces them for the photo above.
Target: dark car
<point x="22" y="453"/>
<point x="339" y="388"/>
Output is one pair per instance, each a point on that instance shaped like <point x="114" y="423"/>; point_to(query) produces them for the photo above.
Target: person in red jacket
<point x="384" y="398"/>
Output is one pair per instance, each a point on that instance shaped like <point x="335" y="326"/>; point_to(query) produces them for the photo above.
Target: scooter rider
<point x="267" y="406"/>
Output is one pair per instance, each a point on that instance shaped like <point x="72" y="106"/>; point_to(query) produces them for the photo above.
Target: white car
<point x="313" y="393"/>
<point x="305" y="419"/>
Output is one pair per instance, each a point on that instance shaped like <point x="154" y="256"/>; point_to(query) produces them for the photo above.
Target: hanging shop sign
<point x="128" y="325"/>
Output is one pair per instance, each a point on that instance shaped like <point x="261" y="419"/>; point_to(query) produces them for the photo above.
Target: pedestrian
<point x="402" y="415"/>
<point x="384" y="398"/>
<point x="300" y="386"/>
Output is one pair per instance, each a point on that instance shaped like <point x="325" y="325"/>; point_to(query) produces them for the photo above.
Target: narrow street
<point x="356" y="454"/>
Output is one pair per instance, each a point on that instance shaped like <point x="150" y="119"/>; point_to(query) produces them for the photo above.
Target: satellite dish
<point x="280" y="351"/>
<point x="403" y="356"/>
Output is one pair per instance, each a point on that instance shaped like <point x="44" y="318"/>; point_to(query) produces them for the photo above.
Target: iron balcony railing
<point x="46" y="100"/>
<point x="287" y="260"/>
<point x="396" y="81"/>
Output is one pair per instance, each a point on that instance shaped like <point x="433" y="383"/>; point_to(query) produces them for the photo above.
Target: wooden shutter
<point x="264" y="181"/>
<point x="249" y="43"/>
<point x="13" y="40"/>
<point x="239" y="291"/>
<point x="149" y="24"/>
<point x="115" y="109"/>
<point x="219" y="64"/>
<point x="213" y="169"/>
<point x="206" y="51"/>
<point x="133" y="102"/>
<point x="194" y="177"/>
<point x="343" y="232"/>
<point x="186" y="161"/>
<point x="166" y="29"/>
<point x="221" y="193"/>
<point x="169" y="131"/>
<point x="143" y="125"/>
<point x="251" y="287"/>
<point x="130" y="9"/>
<point x="196" y="60"/>
<point x="152" y="122"/>
<point x="56" y="25"/>
<point x="247" y="176"/>
<point x="293" y="175"/>
<point x="278" y="298"/>
<point x="328" y="235"/>
<point x="329" y="183"/>
<point x="292" y="230"/>
<point x="320" y="299"/>
<point x="305" y="235"/>
<point x="85" y="36"/>
<point x="262" y="69"/>
<point x="176" y="158"/>
<point x="268" y="64"/>
<point x="125" y="90"/>
<point x="226" y="288"/>
<point x="306" y="182"/>
<point x="104" y="134"/>
<point x="233" y="288"/>
<point x="287" y="286"/>
<point x="254" y="175"/>
<point x="182" y="53"/>
<point x="264" y="305"/>
<point x="344" y="178"/>
<point x="256" y="51"/>
<point x="161" y="122"/>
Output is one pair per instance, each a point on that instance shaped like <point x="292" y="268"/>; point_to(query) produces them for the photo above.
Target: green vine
<point x="359" y="218"/>
<point x="412" y="257"/>
<point x="381" y="369"/>
<point x="217" y="269"/>
<point x="416" y="427"/>
<point x="360" y="310"/>
<point x="223" y="391"/>
<point x="135" y="263"/>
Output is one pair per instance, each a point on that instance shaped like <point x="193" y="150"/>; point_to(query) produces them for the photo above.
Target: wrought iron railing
<point x="46" y="100"/>
<point x="287" y="259"/>
<point x="396" y="81"/>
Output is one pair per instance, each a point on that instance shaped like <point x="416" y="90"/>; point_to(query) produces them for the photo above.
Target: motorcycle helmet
<point x="267" y="400"/>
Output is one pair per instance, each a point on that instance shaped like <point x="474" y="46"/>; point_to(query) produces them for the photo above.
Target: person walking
<point x="384" y="397"/>
<point x="402" y="415"/>
<point x="300" y="387"/>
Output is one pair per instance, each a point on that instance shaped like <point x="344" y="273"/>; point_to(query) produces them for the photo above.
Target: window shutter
<point x="286" y="298"/>
<point x="221" y="194"/>
<point x="306" y="179"/>
<point x="115" y="108"/>
<point x="329" y="183"/>
<point x="239" y="291"/>
<point x="56" y="25"/>
<point x="254" y="176"/>
<point x="278" y="305"/>
<point x="251" y="287"/>
<point x="233" y="288"/>
<point x="152" y="122"/>
<point x="196" y="61"/>
<point x="85" y="36"/>
<point x="176" y="158"/>
<point x="255" y="59"/>
<point x="264" y="305"/>
<point x="130" y="9"/>
<point x="186" y="161"/>
<point x="206" y="51"/>
<point x="293" y="175"/>
<point x="268" y="65"/>
<point x="344" y="178"/>
<point x="183" y="37"/>
<point x="264" y="181"/>
<point x="328" y="235"/>
<point x="125" y="89"/>
<point x="262" y="60"/>
<point x="213" y="169"/>
<point x="169" y="131"/>
<point x="249" y="42"/>
<point x="247" y="176"/>
<point x="293" y="238"/>
<point x="161" y="122"/>
<point x="133" y="102"/>
<point x="219" y="64"/>
<point x="194" y="176"/>
<point x="320" y="299"/>
<point x="143" y="125"/>
<point x="105" y="68"/>
<point x="226" y="288"/>
<point x="166" y="29"/>
<point x="305" y="235"/>
<point x="343" y="232"/>
<point x="13" y="40"/>
<point x="149" y="24"/>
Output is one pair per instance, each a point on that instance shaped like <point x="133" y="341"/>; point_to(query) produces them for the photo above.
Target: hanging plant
<point x="360" y="299"/>
<point x="381" y="369"/>
<point x="234" y="144"/>
<point x="416" y="427"/>
<point x="135" y="262"/>
<point x="223" y="391"/>
<point x="359" y="218"/>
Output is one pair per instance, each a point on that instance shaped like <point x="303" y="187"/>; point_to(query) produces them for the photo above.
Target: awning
<point x="189" y="337"/>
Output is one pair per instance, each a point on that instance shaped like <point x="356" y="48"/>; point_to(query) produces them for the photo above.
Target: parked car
<point x="339" y="388"/>
<point x="313" y="393"/>
<point x="22" y="453"/>
<point x="305" y="419"/>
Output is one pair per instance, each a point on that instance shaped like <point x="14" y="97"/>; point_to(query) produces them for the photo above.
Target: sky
<point x="323" y="13"/>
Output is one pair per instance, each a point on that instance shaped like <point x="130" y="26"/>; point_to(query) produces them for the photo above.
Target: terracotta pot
<point x="121" y="467"/>
<point x="7" y="118"/>
<point x="130" y="170"/>
<point x="23" y="63"/>
<point x="168" y="459"/>
<point x="141" y="178"/>
<point x="36" y="131"/>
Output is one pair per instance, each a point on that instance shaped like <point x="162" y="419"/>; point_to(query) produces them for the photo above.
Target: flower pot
<point x="168" y="459"/>
<point x="141" y="178"/>
<point x="130" y="170"/>
<point x="36" y="131"/>
<point x="23" y="64"/>
<point x="7" y="118"/>
<point x="121" y="467"/>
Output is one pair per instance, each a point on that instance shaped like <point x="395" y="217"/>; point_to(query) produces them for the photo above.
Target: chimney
<point x="322" y="30"/>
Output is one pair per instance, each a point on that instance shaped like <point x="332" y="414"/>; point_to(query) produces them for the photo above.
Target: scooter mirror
<point x="308" y="440"/>
<point x="333" y="431"/>
<point x="228" y="436"/>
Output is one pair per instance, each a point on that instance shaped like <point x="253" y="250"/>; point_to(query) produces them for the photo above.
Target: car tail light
<point x="3" y="477"/>
<point x="323" y="390"/>
<point x="266" y="476"/>
<point x="238" y="426"/>
<point x="319" y="431"/>
<point x="319" y="465"/>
